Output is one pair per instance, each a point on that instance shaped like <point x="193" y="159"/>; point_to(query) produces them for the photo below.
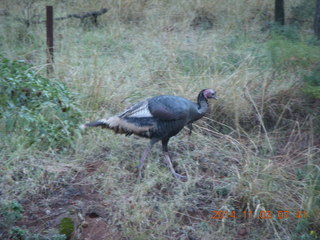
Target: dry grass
<point x="256" y="150"/>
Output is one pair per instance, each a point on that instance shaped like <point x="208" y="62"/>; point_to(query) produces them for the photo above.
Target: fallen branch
<point x="82" y="16"/>
<point x="92" y="15"/>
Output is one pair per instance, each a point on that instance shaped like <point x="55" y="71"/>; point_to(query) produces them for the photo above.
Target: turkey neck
<point x="202" y="104"/>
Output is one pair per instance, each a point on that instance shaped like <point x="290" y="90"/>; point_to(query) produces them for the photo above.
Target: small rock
<point x="84" y="224"/>
<point x="243" y="232"/>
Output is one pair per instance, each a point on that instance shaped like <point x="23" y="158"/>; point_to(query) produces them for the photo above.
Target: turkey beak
<point x="214" y="97"/>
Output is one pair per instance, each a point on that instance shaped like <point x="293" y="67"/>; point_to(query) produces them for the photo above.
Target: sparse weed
<point x="257" y="150"/>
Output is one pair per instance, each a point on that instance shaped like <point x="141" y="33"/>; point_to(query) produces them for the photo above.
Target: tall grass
<point x="256" y="150"/>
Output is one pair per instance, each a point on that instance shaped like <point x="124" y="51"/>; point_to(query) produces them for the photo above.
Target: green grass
<point x="256" y="150"/>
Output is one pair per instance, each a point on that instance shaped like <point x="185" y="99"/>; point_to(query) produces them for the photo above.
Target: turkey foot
<point x="177" y="175"/>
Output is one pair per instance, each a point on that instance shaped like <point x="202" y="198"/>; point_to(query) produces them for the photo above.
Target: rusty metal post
<point x="49" y="27"/>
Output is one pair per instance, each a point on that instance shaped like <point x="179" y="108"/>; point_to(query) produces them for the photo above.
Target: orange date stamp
<point x="258" y="215"/>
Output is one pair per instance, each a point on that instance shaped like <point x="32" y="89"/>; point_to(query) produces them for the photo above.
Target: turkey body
<point x="158" y="118"/>
<point x="163" y="116"/>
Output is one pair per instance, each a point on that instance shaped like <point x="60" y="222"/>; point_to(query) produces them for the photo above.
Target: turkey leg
<point x="145" y="154"/>
<point x="167" y="157"/>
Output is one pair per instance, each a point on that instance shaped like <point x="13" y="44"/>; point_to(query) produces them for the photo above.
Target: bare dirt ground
<point x="76" y="200"/>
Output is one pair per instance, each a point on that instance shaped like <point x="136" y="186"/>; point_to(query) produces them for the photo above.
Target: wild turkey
<point x="158" y="118"/>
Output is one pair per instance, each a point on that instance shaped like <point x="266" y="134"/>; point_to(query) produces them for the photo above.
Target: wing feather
<point x="138" y="110"/>
<point x="168" y="108"/>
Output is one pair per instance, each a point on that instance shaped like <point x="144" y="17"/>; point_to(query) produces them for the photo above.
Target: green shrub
<point x="17" y="233"/>
<point x="41" y="111"/>
<point x="10" y="212"/>
<point x="312" y="92"/>
<point x="288" y="32"/>
<point x="66" y="227"/>
<point x="312" y="87"/>
<point x="294" y="54"/>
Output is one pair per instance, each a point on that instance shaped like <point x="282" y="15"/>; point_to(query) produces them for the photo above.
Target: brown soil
<point x="78" y="200"/>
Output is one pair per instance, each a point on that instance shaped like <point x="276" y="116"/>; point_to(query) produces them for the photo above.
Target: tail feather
<point x="120" y="125"/>
<point x="99" y="123"/>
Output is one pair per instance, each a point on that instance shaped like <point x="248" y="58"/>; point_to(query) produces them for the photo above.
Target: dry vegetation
<point x="256" y="150"/>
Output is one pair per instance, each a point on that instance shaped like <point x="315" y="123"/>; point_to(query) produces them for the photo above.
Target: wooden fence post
<point x="49" y="27"/>
<point x="316" y="24"/>
<point x="279" y="12"/>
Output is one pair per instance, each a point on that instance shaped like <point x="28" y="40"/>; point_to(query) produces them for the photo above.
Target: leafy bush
<point x="40" y="110"/>
<point x="17" y="233"/>
<point x="10" y="212"/>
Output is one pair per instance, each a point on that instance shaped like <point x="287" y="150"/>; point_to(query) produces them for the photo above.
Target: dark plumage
<point x="158" y="118"/>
